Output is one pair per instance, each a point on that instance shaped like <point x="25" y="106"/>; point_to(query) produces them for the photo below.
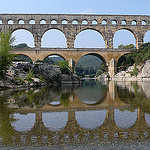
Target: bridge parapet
<point x="74" y="49"/>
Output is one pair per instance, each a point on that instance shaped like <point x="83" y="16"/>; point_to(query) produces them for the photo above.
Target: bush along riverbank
<point x="25" y="74"/>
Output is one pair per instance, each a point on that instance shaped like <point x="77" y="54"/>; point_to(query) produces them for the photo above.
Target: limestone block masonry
<point x="71" y="25"/>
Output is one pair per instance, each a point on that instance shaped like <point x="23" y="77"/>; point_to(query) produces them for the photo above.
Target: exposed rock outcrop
<point x="42" y="74"/>
<point x="135" y="73"/>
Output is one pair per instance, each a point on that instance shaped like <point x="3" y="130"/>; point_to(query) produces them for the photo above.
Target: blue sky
<point x="76" y="6"/>
<point x="120" y="7"/>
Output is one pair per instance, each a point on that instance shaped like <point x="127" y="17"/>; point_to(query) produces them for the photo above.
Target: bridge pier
<point x="139" y="40"/>
<point x="112" y="68"/>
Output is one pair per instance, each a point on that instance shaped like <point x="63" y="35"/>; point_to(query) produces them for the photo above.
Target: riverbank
<point x="135" y="73"/>
<point x="26" y="75"/>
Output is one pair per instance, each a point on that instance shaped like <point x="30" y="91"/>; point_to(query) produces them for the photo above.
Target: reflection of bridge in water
<point x="75" y="132"/>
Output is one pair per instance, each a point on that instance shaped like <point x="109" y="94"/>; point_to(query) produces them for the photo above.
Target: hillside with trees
<point x="90" y="65"/>
<point x="136" y="56"/>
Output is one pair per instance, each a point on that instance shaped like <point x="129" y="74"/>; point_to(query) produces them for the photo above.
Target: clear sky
<point x="76" y="6"/>
<point x="121" y="7"/>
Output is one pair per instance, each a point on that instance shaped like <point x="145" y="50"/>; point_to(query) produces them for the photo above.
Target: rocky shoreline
<point x="134" y="73"/>
<point x="25" y="75"/>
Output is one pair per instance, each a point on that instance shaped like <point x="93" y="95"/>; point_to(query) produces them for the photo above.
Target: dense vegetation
<point x="135" y="56"/>
<point x="22" y="45"/>
<point x="6" y="57"/>
<point x="90" y="65"/>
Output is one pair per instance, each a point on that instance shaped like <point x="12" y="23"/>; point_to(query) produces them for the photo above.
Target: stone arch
<point x="64" y="21"/>
<point x="20" y="21"/>
<point x="80" y="71"/>
<point x="32" y="21"/>
<point x="114" y="22"/>
<point x="54" y="55"/>
<point x="43" y="21"/>
<point x="22" y="38"/>
<point x="126" y="30"/>
<point x="94" y="21"/>
<point x="27" y="57"/>
<point x="60" y="32"/>
<point x="54" y="21"/>
<point x="84" y="21"/>
<point x="92" y="30"/>
<point x="10" y="21"/>
<point x="75" y="21"/>
<point x="97" y="55"/>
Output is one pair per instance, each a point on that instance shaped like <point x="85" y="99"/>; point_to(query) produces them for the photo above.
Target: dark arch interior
<point x="91" y="65"/>
<point x="124" y="62"/>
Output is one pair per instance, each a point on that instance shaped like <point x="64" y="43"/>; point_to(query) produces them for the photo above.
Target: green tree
<point x="64" y="67"/>
<point x="6" y="45"/>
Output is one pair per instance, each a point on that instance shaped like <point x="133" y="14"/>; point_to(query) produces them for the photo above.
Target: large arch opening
<point x="54" y="38"/>
<point x="124" y="37"/>
<point x="91" y="65"/>
<point x="89" y="38"/>
<point x="53" y="59"/>
<point x="23" y="37"/>
<point x="147" y="37"/>
<point x="22" y="57"/>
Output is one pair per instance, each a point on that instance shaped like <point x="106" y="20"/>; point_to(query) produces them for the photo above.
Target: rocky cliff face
<point x="41" y="74"/>
<point x="135" y="73"/>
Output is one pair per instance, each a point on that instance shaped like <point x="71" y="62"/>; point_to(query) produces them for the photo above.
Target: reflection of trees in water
<point x="136" y="98"/>
<point x="91" y="92"/>
<point x="40" y="97"/>
<point x="6" y="117"/>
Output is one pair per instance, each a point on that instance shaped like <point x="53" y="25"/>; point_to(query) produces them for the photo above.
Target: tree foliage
<point x="6" y="45"/>
<point x="137" y="56"/>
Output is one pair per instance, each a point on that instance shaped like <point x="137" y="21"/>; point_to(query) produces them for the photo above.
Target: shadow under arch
<point x="127" y="30"/>
<point x="123" y="62"/>
<point x="92" y="30"/>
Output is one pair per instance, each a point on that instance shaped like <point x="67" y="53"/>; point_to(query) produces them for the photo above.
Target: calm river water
<point x="95" y="115"/>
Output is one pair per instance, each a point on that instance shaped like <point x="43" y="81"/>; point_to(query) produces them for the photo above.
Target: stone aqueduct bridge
<point x="71" y="25"/>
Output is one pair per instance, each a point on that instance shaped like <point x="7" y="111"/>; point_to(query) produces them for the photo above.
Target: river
<point x="94" y="115"/>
